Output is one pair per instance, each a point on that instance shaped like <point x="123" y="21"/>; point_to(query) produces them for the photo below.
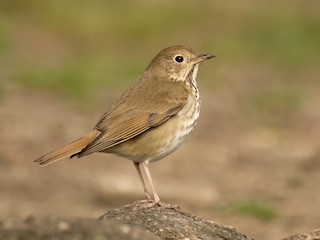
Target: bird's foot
<point x="168" y="205"/>
<point x="145" y="203"/>
<point x="150" y="203"/>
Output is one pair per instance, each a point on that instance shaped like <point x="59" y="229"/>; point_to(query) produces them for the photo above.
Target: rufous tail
<point x="68" y="150"/>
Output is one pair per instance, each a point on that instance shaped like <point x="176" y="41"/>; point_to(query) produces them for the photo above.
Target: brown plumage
<point x="68" y="150"/>
<point x="151" y="118"/>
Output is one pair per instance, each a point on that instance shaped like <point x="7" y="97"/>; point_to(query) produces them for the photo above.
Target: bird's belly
<point x="156" y="143"/>
<point x="173" y="141"/>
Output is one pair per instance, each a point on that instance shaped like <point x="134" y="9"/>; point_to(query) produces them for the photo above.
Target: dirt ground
<point x="228" y="160"/>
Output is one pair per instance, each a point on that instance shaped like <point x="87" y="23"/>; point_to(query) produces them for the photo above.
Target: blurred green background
<point x="76" y="48"/>
<point x="63" y="63"/>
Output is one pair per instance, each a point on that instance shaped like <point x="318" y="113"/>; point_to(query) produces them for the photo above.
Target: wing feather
<point x="130" y="118"/>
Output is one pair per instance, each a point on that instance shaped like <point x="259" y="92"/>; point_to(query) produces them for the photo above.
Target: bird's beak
<point x="202" y="57"/>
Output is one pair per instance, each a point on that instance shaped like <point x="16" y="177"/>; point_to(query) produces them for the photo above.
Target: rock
<point x="139" y="220"/>
<point x="314" y="235"/>
<point x="170" y="223"/>
<point x="69" y="229"/>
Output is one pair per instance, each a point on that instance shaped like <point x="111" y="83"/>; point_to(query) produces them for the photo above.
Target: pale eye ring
<point x="178" y="58"/>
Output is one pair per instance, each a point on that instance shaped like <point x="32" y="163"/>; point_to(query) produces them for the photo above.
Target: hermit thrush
<point x="151" y="118"/>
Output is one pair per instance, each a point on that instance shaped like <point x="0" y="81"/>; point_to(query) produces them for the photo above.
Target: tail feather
<point x="68" y="150"/>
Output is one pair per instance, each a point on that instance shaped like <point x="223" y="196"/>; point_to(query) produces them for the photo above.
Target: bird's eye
<point x="178" y="58"/>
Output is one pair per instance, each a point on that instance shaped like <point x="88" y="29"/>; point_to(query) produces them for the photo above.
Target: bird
<point x="151" y="118"/>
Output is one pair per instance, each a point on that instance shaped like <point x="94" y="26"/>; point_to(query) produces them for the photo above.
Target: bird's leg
<point x="143" y="204"/>
<point x="155" y="195"/>
<point x="137" y="166"/>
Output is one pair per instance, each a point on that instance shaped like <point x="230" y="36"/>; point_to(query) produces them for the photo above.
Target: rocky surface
<point x="139" y="220"/>
<point x="168" y="222"/>
<point x="69" y="229"/>
<point x="313" y="235"/>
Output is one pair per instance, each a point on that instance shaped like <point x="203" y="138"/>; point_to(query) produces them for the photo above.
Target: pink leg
<point x="137" y="166"/>
<point x="155" y="195"/>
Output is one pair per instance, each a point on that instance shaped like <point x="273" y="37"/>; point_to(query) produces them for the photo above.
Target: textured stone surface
<point x="313" y="235"/>
<point x="139" y="220"/>
<point x="171" y="223"/>
<point x="69" y="229"/>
